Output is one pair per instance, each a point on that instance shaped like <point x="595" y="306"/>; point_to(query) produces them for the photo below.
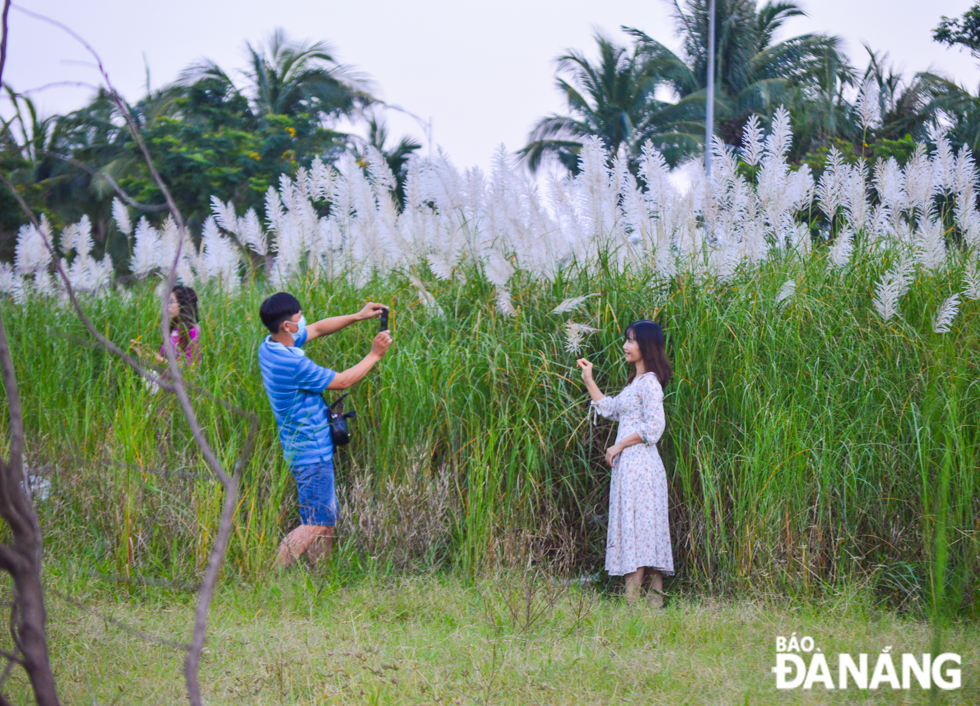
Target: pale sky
<point x="483" y="72"/>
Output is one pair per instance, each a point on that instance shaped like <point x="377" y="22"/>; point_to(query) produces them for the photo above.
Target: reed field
<point x="808" y="446"/>
<point x="822" y="423"/>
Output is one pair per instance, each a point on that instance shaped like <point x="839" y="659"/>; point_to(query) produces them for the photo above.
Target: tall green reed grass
<point x="809" y="446"/>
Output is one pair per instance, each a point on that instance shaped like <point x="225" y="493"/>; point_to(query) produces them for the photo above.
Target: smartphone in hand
<point x="384" y="319"/>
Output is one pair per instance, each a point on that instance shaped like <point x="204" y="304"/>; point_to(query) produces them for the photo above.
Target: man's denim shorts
<point x="317" y="499"/>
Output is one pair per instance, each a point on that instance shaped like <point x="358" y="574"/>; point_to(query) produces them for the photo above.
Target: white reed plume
<point x="968" y="219"/>
<point x="379" y="172"/>
<point x="220" y="258"/>
<point x="170" y="240"/>
<point x="919" y="182"/>
<point x="637" y="218"/>
<point x="250" y="232"/>
<point x="121" y="215"/>
<point x="786" y="293"/>
<point x="82" y="242"/>
<point x="425" y="298"/>
<point x="146" y="249"/>
<point x="548" y="251"/>
<point x="888" y="292"/>
<point x="224" y="214"/>
<point x="497" y="269"/>
<point x="11" y="282"/>
<point x="890" y="185"/>
<point x="572" y="303"/>
<point x="68" y="236"/>
<point x="840" y="251"/>
<point x="964" y="182"/>
<point x="596" y="200"/>
<point x="575" y="336"/>
<point x="800" y="240"/>
<point x="781" y="135"/>
<point x="971" y="280"/>
<point x="879" y="225"/>
<point x="30" y="253"/>
<point x="930" y="245"/>
<point x="868" y="105"/>
<point x="856" y="196"/>
<point x="273" y="210"/>
<point x="504" y="304"/>
<point x="944" y="161"/>
<point x="85" y="273"/>
<point x="461" y="221"/>
<point x="723" y="261"/>
<point x="833" y="183"/>
<point x="752" y="141"/>
<point x="947" y="312"/>
<point x="320" y="180"/>
<point x="904" y="273"/>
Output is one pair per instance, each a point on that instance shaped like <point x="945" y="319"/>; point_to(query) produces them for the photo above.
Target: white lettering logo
<point x="794" y="671"/>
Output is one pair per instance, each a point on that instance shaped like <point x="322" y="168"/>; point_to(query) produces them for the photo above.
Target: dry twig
<point x="176" y="385"/>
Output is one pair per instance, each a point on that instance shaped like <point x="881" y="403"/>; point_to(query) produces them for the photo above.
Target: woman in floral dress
<point x="639" y="536"/>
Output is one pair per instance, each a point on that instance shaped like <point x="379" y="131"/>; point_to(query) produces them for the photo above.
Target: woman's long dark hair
<point x="653" y="350"/>
<point x="186" y="317"/>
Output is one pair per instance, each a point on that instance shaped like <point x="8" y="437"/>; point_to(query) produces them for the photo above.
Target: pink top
<point x="193" y="350"/>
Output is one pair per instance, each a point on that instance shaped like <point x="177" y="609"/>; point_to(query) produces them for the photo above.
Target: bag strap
<point x="337" y="401"/>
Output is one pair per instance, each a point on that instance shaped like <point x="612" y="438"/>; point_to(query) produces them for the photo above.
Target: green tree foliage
<point x="209" y="142"/>
<point x="829" y="120"/>
<point x="208" y="136"/>
<point x="754" y="73"/>
<point x="289" y="78"/>
<point x="614" y="99"/>
<point x="24" y="139"/>
<point x="959" y="105"/>
<point x="961" y="31"/>
<point x="621" y="98"/>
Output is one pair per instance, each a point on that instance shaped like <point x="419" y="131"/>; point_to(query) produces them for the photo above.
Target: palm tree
<point x="615" y="100"/>
<point x="25" y="131"/>
<point x="959" y="105"/>
<point x="396" y="157"/>
<point x="753" y="74"/>
<point x="819" y="110"/>
<point x="905" y="107"/>
<point x="290" y="78"/>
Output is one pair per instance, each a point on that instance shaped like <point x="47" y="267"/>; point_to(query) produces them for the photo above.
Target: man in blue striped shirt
<point x="295" y="384"/>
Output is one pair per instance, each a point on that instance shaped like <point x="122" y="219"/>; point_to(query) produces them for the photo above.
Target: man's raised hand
<point x="371" y="310"/>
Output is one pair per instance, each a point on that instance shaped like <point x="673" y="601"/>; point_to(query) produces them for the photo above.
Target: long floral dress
<point x="638" y="531"/>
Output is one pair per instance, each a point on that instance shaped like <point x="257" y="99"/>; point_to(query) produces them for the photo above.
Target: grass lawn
<point x="304" y="638"/>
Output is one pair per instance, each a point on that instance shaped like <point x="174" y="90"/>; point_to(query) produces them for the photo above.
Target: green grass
<point x="307" y="639"/>
<point x="810" y="448"/>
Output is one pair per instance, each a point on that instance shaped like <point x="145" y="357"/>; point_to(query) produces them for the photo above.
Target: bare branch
<point x="57" y="84"/>
<point x="3" y="40"/>
<point x="12" y="510"/>
<point x="28" y="616"/>
<point x="22" y="559"/>
<point x="229" y="483"/>
<point x="6" y="672"/>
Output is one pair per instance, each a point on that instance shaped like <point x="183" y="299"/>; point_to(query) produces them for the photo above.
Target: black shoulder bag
<point x="337" y="418"/>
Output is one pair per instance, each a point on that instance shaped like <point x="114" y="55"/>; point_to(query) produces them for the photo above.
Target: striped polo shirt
<point x="294" y="384"/>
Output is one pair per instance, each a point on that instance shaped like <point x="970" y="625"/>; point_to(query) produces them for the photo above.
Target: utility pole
<point x="709" y="108"/>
